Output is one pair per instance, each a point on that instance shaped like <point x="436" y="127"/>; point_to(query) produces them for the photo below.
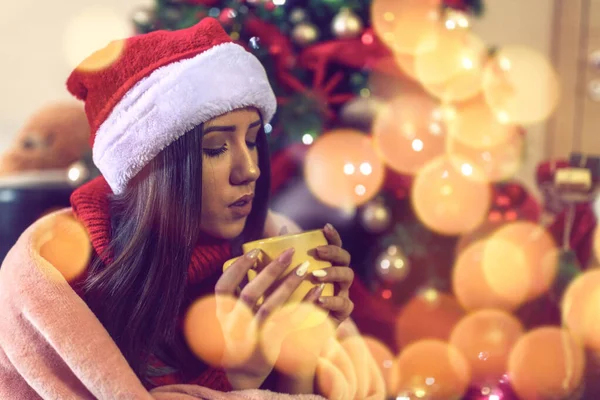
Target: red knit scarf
<point x="90" y="204"/>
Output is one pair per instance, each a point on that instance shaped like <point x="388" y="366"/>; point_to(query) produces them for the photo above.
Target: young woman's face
<point x="229" y="172"/>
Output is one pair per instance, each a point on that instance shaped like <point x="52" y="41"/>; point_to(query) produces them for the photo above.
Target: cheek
<point x="215" y="180"/>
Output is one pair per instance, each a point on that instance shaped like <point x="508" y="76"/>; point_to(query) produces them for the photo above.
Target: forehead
<point x="244" y="116"/>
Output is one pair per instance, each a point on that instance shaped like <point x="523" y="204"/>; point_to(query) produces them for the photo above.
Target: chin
<point x="229" y="230"/>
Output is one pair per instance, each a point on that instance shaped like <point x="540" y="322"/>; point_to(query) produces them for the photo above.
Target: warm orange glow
<point x="474" y="290"/>
<point x="485" y="338"/>
<point x="402" y="24"/>
<point x="387" y="363"/>
<point x="335" y="171"/>
<point x="409" y="132"/>
<point x="446" y="55"/>
<point x="497" y="162"/>
<point x="475" y="124"/>
<point x="220" y="331"/>
<point x="66" y="246"/>
<point x="521" y="85"/>
<point x="546" y="363"/>
<point x="429" y="315"/>
<point x="581" y="308"/>
<point x="432" y="369"/>
<point x="539" y="251"/>
<point x="450" y="195"/>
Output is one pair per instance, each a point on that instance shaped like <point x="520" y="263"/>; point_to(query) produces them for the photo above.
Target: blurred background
<point x="455" y="144"/>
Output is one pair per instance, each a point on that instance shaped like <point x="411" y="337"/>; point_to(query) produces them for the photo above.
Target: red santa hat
<point x="160" y="86"/>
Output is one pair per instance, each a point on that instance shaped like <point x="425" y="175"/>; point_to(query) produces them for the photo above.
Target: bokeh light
<point x="406" y="63"/>
<point x="475" y="124"/>
<point x="91" y="30"/>
<point x="450" y="63"/>
<point x="430" y="314"/>
<point x="386" y="361"/>
<point x="474" y="290"/>
<point x="546" y="363"/>
<point x="450" y="195"/>
<point x="293" y="343"/>
<point x="67" y="247"/>
<point x="485" y="338"/>
<point x="498" y="163"/>
<point x="432" y="369"/>
<point x="581" y="307"/>
<point x="220" y="330"/>
<point x="506" y="269"/>
<point x="409" y="132"/>
<point x="333" y="172"/>
<point x="401" y="24"/>
<point x="538" y="248"/>
<point x="521" y="85"/>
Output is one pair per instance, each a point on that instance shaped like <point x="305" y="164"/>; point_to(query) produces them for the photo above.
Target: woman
<point x="177" y="132"/>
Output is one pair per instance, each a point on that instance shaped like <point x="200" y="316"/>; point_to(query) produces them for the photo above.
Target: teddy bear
<point x="54" y="137"/>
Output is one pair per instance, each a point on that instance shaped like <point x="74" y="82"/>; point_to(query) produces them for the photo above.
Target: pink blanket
<point x="53" y="347"/>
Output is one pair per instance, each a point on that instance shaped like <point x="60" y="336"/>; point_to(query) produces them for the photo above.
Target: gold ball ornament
<point x="305" y="33"/>
<point x="346" y="24"/>
<point x="392" y="265"/>
<point x="376" y="217"/>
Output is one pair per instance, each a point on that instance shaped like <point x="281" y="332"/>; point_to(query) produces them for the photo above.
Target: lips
<point x="242" y="201"/>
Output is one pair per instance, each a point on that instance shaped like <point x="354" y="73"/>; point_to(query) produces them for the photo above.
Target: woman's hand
<point x="340" y="274"/>
<point x="252" y="370"/>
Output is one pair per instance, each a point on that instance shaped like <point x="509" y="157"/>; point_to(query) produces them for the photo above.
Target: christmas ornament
<point x="255" y="43"/>
<point x="143" y="17"/>
<point x="346" y="24"/>
<point x="227" y="16"/>
<point x="305" y="33"/>
<point x="297" y="15"/>
<point x="376" y="217"/>
<point x="360" y="112"/>
<point x="392" y="265"/>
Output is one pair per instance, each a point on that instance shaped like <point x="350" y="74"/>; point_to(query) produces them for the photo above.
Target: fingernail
<point x="286" y="256"/>
<point x="323" y="250"/>
<point x="322" y="300"/>
<point x="319" y="290"/>
<point x="252" y="254"/>
<point x="301" y="271"/>
<point x="319" y="273"/>
<point x="329" y="227"/>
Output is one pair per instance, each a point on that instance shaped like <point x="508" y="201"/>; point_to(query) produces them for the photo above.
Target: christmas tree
<point x="404" y="130"/>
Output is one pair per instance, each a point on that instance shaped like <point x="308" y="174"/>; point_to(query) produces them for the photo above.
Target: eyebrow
<point x="228" y="128"/>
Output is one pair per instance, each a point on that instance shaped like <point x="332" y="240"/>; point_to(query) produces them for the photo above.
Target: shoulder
<point x="56" y="243"/>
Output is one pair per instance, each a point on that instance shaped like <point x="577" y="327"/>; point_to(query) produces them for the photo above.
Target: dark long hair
<point x="155" y="227"/>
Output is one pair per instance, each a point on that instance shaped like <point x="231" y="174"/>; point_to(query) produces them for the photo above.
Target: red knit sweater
<point x="90" y="204"/>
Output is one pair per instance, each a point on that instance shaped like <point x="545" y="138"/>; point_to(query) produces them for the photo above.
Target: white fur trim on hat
<point x="174" y="99"/>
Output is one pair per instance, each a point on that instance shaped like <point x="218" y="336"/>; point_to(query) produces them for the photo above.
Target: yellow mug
<point x="305" y="244"/>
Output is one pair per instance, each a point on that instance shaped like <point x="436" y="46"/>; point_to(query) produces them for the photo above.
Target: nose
<point x="245" y="170"/>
